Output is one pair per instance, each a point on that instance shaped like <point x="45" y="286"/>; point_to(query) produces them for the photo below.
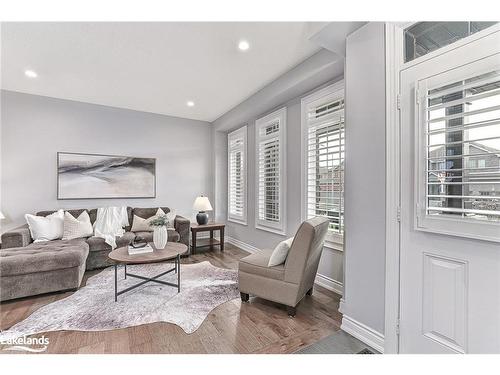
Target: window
<point x="237" y="175"/>
<point x="459" y="124"/>
<point x="270" y="165"/>
<point x="323" y="154"/>
<point x="424" y="37"/>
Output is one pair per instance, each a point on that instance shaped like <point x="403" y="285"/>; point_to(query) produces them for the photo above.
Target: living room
<point x="242" y="187"/>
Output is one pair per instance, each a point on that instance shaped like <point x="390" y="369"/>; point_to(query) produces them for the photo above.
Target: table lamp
<point x="202" y="204"/>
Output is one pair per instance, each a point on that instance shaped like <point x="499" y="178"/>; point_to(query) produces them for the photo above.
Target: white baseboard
<point x="329" y="283"/>
<point x="242" y="245"/>
<point x="364" y="333"/>
<point x="233" y="241"/>
<point x="341" y="305"/>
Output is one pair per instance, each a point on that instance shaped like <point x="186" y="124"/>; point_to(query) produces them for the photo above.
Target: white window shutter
<point x="462" y="140"/>
<point x="237" y="175"/>
<point x="270" y="172"/>
<point x="324" y="147"/>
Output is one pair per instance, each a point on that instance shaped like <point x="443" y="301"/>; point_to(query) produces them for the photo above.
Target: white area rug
<point x="93" y="308"/>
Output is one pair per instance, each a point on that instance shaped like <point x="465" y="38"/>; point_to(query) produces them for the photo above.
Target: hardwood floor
<point x="234" y="327"/>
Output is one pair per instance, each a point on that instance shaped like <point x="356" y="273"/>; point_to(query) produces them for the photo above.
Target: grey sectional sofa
<point x="28" y="268"/>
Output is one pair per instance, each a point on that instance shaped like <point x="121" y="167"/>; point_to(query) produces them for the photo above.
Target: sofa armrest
<point x="19" y="237"/>
<point x="182" y="225"/>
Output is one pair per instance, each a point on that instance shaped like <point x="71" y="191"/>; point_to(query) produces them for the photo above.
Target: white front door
<point x="450" y="201"/>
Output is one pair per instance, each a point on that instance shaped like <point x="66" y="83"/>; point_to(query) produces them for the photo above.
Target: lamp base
<point x="202" y="218"/>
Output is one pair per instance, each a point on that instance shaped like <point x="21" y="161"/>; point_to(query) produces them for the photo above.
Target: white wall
<point x="35" y="128"/>
<point x="320" y="70"/>
<point x="364" y="287"/>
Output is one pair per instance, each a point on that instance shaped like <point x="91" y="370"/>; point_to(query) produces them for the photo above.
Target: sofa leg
<point x="244" y="297"/>
<point x="291" y="311"/>
<point x="310" y="292"/>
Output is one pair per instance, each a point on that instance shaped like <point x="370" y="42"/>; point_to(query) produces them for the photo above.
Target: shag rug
<point x="93" y="307"/>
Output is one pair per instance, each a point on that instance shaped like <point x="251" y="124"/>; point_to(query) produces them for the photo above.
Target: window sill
<point x="241" y="222"/>
<point x="272" y="230"/>
<point x="334" y="244"/>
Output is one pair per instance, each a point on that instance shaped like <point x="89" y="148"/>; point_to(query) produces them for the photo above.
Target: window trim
<point x="280" y="227"/>
<point x="333" y="240"/>
<point x="466" y="228"/>
<point x="238" y="133"/>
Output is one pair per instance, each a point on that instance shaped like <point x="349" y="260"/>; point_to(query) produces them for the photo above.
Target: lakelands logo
<point x="26" y="344"/>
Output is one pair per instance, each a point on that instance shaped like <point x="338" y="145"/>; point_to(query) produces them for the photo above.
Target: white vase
<point x="160" y="237"/>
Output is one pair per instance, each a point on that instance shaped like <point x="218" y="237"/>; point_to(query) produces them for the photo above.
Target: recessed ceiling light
<point x="243" y="45"/>
<point x="190" y="103"/>
<point x="30" y="73"/>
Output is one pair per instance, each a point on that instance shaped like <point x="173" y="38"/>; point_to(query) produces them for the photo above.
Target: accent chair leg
<point x="244" y="297"/>
<point x="310" y="292"/>
<point x="291" y="311"/>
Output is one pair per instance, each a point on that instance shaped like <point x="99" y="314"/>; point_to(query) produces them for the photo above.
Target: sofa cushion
<point x="173" y="235"/>
<point x="43" y="256"/>
<point x="147" y="212"/>
<point x="98" y="244"/>
<point x="256" y="264"/>
<point x="92" y="213"/>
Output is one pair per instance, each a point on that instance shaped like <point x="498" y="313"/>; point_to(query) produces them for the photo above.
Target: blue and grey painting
<point x="97" y="176"/>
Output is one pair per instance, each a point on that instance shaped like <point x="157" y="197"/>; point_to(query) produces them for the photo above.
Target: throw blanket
<point x="109" y="224"/>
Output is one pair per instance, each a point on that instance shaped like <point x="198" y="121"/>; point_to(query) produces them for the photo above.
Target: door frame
<point x="394" y="52"/>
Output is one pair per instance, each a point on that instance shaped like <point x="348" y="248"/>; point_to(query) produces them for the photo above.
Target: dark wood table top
<point x="209" y="226"/>
<point x="171" y="250"/>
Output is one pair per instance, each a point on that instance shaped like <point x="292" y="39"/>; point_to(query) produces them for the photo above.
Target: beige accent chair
<point x="286" y="283"/>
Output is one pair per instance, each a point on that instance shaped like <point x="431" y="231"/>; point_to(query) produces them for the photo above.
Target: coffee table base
<point x="176" y="269"/>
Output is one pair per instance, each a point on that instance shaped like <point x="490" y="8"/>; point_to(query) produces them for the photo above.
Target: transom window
<point x="424" y="37"/>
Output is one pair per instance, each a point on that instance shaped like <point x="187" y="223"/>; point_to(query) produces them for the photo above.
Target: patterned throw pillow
<point x="77" y="228"/>
<point x="142" y="225"/>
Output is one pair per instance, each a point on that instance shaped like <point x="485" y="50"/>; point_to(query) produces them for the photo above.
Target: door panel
<point x="450" y="284"/>
<point x="445" y="301"/>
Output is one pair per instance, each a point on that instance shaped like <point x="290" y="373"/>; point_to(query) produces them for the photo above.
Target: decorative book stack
<point x="139" y="250"/>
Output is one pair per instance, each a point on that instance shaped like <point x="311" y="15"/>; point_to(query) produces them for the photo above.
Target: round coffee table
<point x="173" y="250"/>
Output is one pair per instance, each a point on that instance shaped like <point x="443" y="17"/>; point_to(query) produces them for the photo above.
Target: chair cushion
<point x="256" y="264"/>
<point x="43" y="256"/>
<point x="98" y="244"/>
<point x="172" y="235"/>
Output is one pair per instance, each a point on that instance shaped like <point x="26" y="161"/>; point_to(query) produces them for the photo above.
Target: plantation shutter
<point x="270" y="171"/>
<point x="325" y="162"/>
<point x="462" y="131"/>
<point x="237" y="175"/>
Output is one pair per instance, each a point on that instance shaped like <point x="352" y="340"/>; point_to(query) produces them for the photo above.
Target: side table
<point x="204" y="242"/>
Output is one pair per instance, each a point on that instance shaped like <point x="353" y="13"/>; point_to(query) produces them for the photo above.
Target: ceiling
<point x="153" y="67"/>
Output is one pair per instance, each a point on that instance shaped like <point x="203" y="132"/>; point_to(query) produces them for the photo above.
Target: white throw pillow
<point x="50" y="227"/>
<point x="171" y="219"/>
<point x="280" y="253"/>
<point x="142" y="225"/>
<point x="77" y="228"/>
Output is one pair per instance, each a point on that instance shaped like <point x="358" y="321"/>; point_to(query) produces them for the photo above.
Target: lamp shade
<point x="202" y="204"/>
<point x="1" y="216"/>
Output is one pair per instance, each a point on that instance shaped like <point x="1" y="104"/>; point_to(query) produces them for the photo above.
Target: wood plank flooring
<point x="233" y="327"/>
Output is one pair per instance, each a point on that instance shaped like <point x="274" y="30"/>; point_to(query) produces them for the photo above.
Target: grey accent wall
<point x="34" y="128"/>
<point x="287" y="90"/>
<point x="364" y="287"/>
